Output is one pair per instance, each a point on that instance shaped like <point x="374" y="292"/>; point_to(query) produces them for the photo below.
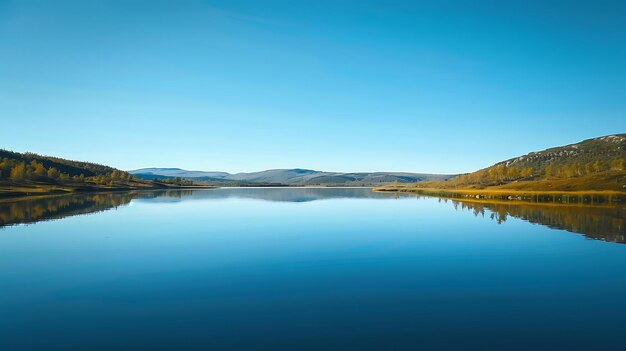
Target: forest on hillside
<point x="589" y="160"/>
<point x="22" y="167"/>
<point x="20" y="171"/>
<point x="503" y="173"/>
<point x="28" y="173"/>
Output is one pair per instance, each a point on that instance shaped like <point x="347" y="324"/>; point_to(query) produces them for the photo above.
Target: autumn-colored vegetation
<point x="594" y="167"/>
<point x="31" y="174"/>
<point x="41" y="208"/>
<point x="20" y="171"/>
<point x="595" y="222"/>
<point x="502" y="174"/>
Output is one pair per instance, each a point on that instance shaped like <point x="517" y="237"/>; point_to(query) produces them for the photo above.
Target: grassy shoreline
<point x="534" y="196"/>
<point x="19" y="191"/>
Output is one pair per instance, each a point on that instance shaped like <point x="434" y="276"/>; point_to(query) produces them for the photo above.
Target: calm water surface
<point x="308" y="269"/>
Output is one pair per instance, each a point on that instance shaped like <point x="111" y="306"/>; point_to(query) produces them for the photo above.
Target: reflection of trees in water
<point x="600" y="223"/>
<point x="175" y="194"/>
<point x="55" y="207"/>
<point x="34" y="210"/>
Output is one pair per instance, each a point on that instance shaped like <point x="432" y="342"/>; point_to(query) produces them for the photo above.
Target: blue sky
<point x="425" y="86"/>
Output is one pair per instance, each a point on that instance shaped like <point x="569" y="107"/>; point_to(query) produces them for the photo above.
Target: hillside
<point x="593" y="165"/>
<point x="71" y="168"/>
<point x="296" y="177"/>
<point x="23" y="174"/>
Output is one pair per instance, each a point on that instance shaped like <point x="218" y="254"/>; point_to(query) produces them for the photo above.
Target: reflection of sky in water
<point x="603" y="223"/>
<point x="237" y="273"/>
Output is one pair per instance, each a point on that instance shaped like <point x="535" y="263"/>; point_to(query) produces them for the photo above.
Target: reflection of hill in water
<point x="281" y="194"/>
<point x="599" y="223"/>
<point x="56" y="207"/>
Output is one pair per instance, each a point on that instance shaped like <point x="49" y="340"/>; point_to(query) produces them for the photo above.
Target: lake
<point x="308" y="269"/>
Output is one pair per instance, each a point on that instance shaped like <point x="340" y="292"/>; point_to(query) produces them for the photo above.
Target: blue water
<point x="302" y="269"/>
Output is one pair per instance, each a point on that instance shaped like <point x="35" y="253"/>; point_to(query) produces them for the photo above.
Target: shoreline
<point x="580" y="197"/>
<point x="22" y="193"/>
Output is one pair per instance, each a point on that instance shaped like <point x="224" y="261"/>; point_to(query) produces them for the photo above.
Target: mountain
<point x="294" y="176"/>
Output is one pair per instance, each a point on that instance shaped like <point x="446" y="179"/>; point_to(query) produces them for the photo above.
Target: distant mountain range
<point x="294" y="176"/>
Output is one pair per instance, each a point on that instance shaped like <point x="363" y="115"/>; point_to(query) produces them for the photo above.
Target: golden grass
<point x="497" y="191"/>
<point x="491" y="194"/>
<point x="13" y="191"/>
<point x="608" y="180"/>
<point x="603" y="187"/>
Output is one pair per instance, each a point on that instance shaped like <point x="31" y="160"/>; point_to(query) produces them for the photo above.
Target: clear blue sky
<point x="425" y="86"/>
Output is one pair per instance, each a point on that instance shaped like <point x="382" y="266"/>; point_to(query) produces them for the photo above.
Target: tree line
<point x="20" y="171"/>
<point x="175" y="180"/>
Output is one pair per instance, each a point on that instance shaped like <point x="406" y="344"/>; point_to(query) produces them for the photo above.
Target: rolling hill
<point x="590" y="166"/>
<point x="294" y="176"/>
<point x="596" y="164"/>
<point x="24" y="174"/>
<point x="72" y="168"/>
